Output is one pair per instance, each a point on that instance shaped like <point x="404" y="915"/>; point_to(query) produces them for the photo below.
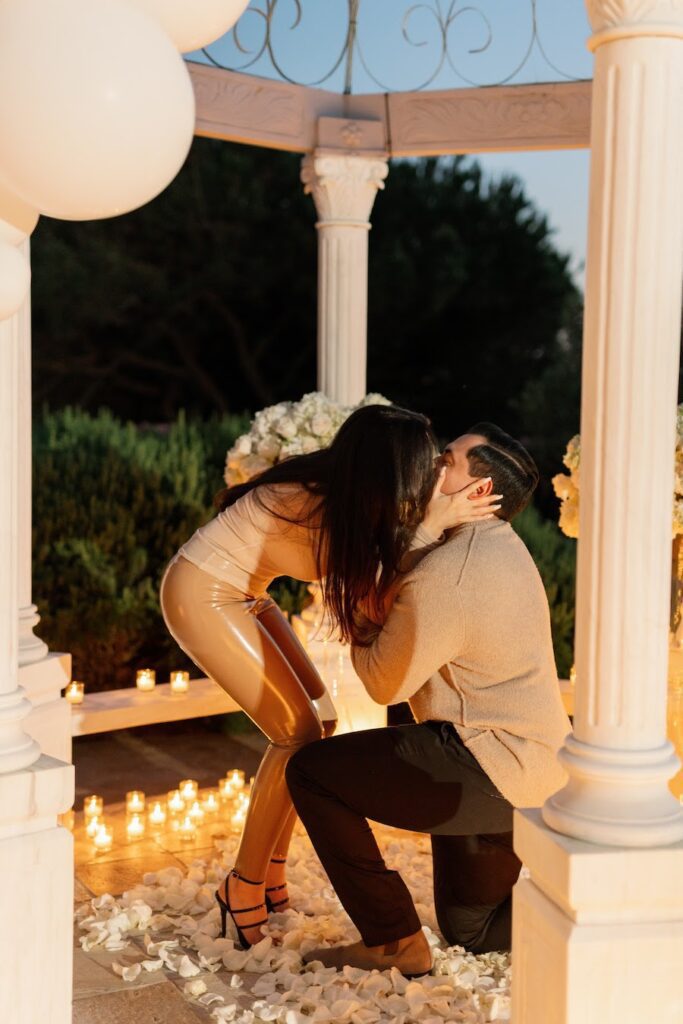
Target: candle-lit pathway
<point x="146" y="907"/>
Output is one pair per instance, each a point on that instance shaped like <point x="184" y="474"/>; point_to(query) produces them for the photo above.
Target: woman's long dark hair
<point x="373" y="485"/>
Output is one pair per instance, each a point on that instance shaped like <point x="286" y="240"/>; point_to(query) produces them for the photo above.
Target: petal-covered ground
<point x="166" y="928"/>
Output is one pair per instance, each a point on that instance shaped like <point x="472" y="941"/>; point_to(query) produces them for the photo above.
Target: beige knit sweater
<point x="467" y="640"/>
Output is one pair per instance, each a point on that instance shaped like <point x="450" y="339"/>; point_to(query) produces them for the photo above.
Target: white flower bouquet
<point x="288" y="428"/>
<point x="567" y="486"/>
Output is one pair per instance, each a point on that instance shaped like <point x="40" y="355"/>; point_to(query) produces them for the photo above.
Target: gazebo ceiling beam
<point x="260" y="112"/>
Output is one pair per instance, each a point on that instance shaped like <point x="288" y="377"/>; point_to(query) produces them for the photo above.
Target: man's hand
<point x="468" y="505"/>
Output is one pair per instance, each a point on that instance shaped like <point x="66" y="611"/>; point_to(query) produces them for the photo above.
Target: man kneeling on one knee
<point x="467" y="642"/>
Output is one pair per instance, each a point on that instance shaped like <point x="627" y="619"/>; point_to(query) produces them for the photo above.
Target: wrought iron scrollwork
<point x="472" y="25"/>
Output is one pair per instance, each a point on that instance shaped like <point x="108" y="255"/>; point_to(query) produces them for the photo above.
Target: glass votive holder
<point x="93" y="826"/>
<point x="175" y="802"/>
<point x="75" y="692"/>
<point x="104" y="839"/>
<point x="145" y="679"/>
<point x="135" y="826"/>
<point x="180" y="682"/>
<point x="135" y="801"/>
<point x="238" y="819"/>
<point x="188" y="789"/>
<point x="156" y="815"/>
<point x="236" y="777"/>
<point x="93" y="806"/>
<point x="187" y="829"/>
<point x="67" y="820"/>
<point x="210" y="802"/>
<point x="226" y="789"/>
<point x="196" y="812"/>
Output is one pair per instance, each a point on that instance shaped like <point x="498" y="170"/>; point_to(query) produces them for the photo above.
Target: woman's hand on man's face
<point x="469" y="505"/>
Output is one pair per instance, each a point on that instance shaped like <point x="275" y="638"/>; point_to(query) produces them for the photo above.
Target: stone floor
<point x="269" y="985"/>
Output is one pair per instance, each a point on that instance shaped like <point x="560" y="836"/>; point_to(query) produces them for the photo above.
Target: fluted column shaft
<point x="618" y="759"/>
<point x="17" y="749"/>
<point x="31" y="647"/>
<point x="344" y="189"/>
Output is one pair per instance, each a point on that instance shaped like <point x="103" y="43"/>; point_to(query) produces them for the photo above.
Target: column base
<point x="36" y="865"/>
<point x="49" y="723"/>
<point x="597" y="931"/>
<point x="31" y="647"/>
<point x="617" y="797"/>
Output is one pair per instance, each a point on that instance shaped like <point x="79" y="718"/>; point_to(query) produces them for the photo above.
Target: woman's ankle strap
<point x="236" y="874"/>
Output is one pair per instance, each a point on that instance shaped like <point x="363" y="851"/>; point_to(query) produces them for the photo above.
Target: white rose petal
<point x="286" y="427"/>
<point x="195" y="988"/>
<point x="186" y="968"/>
<point x="130" y="973"/>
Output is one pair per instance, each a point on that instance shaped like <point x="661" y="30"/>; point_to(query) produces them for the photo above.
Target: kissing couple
<point x="423" y="575"/>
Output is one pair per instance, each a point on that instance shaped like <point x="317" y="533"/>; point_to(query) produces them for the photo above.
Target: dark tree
<point x="205" y="299"/>
<point x="467" y="294"/>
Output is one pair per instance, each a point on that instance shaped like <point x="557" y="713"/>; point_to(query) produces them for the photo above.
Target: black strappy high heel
<point x="227" y="909"/>
<point x="272" y="905"/>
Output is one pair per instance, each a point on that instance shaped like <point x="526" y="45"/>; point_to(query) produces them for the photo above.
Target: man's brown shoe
<point x="411" y="955"/>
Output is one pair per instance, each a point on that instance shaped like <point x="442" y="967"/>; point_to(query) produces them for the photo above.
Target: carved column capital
<point x="615" y="19"/>
<point x="343" y="185"/>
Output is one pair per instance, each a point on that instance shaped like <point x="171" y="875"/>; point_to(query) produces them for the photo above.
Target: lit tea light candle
<point x="188" y="789"/>
<point x="226" y="789"/>
<point x="180" y="682"/>
<point x="238" y="819"/>
<point x="67" y="820"/>
<point x="157" y="815"/>
<point x="210" y="802"/>
<point x="242" y="801"/>
<point x="175" y="802"/>
<point x="74" y="692"/>
<point x="196" y="813"/>
<point x="236" y="777"/>
<point x="135" y="827"/>
<point x="104" y="839"/>
<point x="93" y="806"/>
<point x="93" y="826"/>
<point x="135" y="801"/>
<point x="145" y="679"/>
<point x="187" y="829"/>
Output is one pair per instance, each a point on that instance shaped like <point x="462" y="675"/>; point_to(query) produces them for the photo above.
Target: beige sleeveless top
<point x="248" y="545"/>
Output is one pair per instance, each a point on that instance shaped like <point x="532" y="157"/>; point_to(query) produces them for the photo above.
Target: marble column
<point x="598" y="922"/>
<point x="343" y="183"/>
<point x="17" y="749"/>
<point x="36" y="854"/>
<point x="42" y="674"/>
<point x="31" y="647"/>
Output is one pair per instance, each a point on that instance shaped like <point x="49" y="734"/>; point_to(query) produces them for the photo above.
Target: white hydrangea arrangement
<point x="288" y="428"/>
<point x="567" y="487"/>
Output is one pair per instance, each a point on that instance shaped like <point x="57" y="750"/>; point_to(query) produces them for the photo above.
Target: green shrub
<point x="112" y="502"/>
<point x="555" y="556"/>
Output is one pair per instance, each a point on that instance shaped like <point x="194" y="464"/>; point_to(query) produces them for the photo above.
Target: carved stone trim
<point x="243" y="108"/>
<point x="343" y="187"/>
<point x="477" y="120"/>
<point x="610" y="14"/>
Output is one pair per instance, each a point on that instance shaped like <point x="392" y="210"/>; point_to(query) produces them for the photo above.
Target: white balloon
<point x="96" y="106"/>
<point x="17" y="218"/>
<point x="15" y="278"/>
<point x="192" y="24"/>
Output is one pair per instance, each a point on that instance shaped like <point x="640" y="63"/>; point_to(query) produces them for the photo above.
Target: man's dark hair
<point x="508" y="463"/>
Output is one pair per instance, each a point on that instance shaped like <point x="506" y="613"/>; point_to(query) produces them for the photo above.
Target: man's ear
<point x="484" y="489"/>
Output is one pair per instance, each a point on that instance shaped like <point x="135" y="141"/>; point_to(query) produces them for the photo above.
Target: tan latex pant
<point x="250" y="649"/>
